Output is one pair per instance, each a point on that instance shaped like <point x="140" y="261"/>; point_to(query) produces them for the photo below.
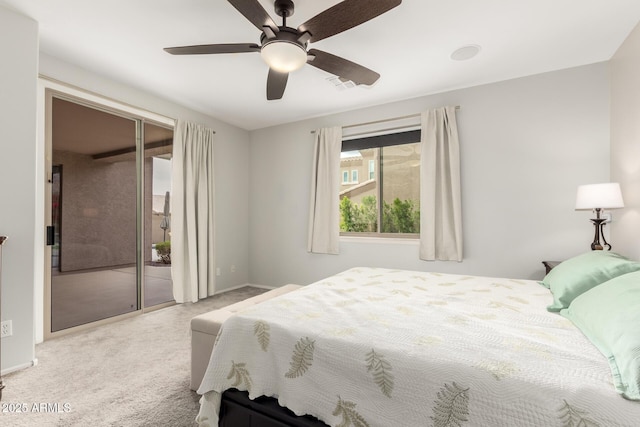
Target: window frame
<point x="381" y="141"/>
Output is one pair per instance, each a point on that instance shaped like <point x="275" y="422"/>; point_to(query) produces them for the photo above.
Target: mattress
<point x="379" y="347"/>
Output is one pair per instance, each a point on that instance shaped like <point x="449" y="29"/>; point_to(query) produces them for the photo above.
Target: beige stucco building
<point x="360" y="173"/>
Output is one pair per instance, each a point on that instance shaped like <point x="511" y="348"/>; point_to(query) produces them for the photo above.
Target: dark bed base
<point x="237" y="410"/>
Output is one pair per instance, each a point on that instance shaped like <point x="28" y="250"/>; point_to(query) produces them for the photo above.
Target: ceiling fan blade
<point x="255" y="13"/>
<point x="344" y="15"/>
<point x="205" y="49"/>
<point x="276" y="83"/>
<point x="342" y="68"/>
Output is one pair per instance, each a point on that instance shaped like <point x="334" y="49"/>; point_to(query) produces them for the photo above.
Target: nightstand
<point x="550" y="265"/>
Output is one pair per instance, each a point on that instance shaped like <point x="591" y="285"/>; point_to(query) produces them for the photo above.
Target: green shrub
<point x="397" y="217"/>
<point x="164" y="251"/>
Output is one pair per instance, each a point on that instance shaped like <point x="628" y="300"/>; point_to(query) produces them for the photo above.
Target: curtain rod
<point x="408" y="116"/>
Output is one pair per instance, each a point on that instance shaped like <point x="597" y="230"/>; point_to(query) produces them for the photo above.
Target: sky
<point x="161" y="176"/>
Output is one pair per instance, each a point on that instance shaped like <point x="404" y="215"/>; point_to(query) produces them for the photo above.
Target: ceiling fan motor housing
<point x="286" y="34"/>
<point x="283" y="8"/>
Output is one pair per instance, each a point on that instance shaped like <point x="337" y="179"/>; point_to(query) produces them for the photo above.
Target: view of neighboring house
<point x="380" y="182"/>
<point x="360" y="173"/>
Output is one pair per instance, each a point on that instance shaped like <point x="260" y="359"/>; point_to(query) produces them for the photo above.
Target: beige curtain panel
<point x="440" y="201"/>
<point x="192" y="211"/>
<point x="324" y="209"/>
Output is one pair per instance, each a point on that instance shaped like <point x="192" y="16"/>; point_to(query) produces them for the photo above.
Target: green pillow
<point x="581" y="273"/>
<point x="609" y="315"/>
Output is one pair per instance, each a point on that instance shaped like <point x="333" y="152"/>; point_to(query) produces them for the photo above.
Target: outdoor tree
<point x="400" y="216"/>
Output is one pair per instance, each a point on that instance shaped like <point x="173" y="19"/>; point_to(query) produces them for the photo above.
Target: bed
<point x="379" y="347"/>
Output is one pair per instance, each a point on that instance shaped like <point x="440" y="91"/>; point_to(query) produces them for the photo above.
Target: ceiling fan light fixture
<point x="283" y="56"/>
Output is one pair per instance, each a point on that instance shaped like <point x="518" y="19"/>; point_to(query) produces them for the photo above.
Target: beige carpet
<point x="131" y="373"/>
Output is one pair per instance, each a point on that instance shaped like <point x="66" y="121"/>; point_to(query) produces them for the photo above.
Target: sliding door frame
<point x="55" y="89"/>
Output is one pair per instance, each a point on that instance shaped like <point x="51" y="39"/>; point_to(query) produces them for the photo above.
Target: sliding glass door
<point x="106" y="227"/>
<point x="158" y="287"/>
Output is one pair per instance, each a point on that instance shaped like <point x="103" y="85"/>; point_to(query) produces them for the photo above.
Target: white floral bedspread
<point x="377" y="347"/>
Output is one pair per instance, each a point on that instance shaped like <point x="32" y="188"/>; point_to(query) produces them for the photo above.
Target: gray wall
<point x="625" y="143"/>
<point x="18" y="83"/>
<point x="526" y="145"/>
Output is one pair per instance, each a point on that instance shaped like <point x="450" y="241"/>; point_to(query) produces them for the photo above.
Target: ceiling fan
<point x="284" y="48"/>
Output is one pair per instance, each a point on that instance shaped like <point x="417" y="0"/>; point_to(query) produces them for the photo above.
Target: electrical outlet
<point x="6" y="329"/>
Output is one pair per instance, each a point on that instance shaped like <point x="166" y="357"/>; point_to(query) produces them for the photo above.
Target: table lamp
<point x="597" y="197"/>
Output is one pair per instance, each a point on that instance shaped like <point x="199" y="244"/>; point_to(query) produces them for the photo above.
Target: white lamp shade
<point x="283" y="56"/>
<point x="603" y="196"/>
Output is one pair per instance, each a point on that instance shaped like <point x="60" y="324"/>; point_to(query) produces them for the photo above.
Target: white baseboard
<point x="242" y="286"/>
<point x="268" y="287"/>
<point x="34" y="362"/>
<point x="261" y="286"/>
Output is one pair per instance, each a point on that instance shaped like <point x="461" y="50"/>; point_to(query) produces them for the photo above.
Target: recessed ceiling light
<point x="465" y="52"/>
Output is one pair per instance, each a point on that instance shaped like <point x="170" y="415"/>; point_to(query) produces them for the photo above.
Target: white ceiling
<point x="410" y="46"/>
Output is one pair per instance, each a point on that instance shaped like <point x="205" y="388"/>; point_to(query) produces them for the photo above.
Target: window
<point x="387" y="204"/>
<point x="345" y="177"/>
